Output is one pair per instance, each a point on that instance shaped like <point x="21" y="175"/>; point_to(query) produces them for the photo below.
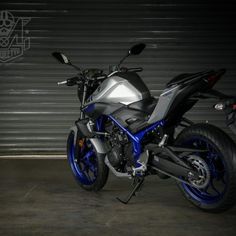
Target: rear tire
<point x="88" y="167"/>
<point x="223" y="150"/>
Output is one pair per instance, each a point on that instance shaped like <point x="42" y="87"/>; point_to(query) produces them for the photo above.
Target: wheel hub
<point x="202" y="168"/>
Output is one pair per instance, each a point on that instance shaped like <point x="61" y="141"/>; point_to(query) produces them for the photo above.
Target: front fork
<point x="85" y="88"/>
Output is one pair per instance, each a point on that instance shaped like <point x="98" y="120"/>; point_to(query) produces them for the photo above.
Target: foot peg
<point x="138" y="181"/>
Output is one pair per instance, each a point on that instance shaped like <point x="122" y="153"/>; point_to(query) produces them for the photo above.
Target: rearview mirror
<point x="137" y="49"/>
<point x="61" y="58"/>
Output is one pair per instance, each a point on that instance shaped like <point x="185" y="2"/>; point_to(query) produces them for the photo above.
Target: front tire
<point x="88" y="167"/>
<point x="220" y="194"/>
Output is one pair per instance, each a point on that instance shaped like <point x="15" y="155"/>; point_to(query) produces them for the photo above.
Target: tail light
<point x="212" y="79"/>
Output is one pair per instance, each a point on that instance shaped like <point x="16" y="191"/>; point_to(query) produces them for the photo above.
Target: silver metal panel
<point x="181" y="35"/>
<point x="116" y="90"/>
<point x="164" y="102"/>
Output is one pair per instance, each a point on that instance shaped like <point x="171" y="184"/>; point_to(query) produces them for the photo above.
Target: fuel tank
<point x="122" y="88"/>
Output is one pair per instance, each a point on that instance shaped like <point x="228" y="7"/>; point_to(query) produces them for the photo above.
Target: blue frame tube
<point x="137" y="138"/>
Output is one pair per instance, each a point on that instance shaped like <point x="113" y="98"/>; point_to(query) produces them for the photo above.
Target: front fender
<point x="97" y="143"/>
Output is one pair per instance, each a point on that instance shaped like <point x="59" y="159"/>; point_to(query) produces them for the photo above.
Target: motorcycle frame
<point x="136" y="139"/>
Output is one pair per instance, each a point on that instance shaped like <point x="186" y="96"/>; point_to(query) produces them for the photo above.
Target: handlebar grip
<point x="62" y="82"/>
<point x="69" y="82"/>
<point x="72" y="81"/>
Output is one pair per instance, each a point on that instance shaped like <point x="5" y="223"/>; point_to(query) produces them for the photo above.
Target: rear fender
<point x="225" y="103"/>
<point x="229" y="107"/>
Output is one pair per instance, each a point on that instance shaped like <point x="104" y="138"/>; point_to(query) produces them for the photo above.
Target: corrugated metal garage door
<point x="181" y="36"/>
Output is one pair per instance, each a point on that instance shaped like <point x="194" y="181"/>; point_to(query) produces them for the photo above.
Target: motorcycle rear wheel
<point x="220" y="194"/>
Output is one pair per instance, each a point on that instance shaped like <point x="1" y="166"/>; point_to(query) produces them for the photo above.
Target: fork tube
<point x="83" y="100"/>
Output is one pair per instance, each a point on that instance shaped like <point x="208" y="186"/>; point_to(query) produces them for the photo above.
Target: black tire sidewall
<point x="102" y="172"/>
<point x="226" y="147"/>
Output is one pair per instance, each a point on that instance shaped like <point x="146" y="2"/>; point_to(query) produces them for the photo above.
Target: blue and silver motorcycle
<point x="125" y="130"/>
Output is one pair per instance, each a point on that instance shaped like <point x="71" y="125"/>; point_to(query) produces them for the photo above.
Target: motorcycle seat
<point x="182" y="78"/>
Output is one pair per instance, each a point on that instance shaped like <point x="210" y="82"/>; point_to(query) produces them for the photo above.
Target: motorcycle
<point x="125" y="130"/>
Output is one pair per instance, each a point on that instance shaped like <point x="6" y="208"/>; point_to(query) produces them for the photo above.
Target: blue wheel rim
<point x="83" y="161"/>
<point x="217" y="186"/>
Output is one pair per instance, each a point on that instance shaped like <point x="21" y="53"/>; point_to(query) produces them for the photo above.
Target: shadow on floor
<point x="40" y="197"/>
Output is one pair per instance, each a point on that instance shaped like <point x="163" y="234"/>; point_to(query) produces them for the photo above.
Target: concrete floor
<point x="40" y="197"/>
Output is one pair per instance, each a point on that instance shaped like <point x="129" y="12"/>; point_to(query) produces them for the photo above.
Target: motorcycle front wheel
<point x="217" y="165"/>
<point x="88" y="167"/>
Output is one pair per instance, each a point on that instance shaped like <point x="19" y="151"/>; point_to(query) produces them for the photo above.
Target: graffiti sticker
<point x="13" y="41"/>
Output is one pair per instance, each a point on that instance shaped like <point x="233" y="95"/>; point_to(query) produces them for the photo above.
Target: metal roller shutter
<point x="181" y="36"/>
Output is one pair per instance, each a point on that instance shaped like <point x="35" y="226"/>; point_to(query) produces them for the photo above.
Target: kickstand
<point x="138" y="181"/>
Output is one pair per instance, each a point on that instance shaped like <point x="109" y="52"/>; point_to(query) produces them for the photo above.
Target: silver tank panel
<point x="117" y="90"/>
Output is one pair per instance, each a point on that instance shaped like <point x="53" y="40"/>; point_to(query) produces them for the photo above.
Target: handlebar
<point x="77" y="79"/>
<point x="124" y="69"/>
<point x="69" y="82"/>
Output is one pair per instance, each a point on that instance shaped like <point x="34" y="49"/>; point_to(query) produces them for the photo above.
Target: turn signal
<point x="219" y="106"/>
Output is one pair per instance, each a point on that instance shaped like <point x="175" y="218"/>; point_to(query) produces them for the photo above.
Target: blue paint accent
<point x="137" y="138"/>
<point x="82" y="166"/>
<point x="90" y="108"/>
<point x="100" y="124"/>
<point x="213" y="159"/>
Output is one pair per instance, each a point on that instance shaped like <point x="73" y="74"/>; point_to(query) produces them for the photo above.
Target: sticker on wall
<point x="13" y="40"/>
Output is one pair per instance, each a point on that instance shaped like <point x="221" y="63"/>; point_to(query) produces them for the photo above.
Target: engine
<point x="120" y="154"/>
